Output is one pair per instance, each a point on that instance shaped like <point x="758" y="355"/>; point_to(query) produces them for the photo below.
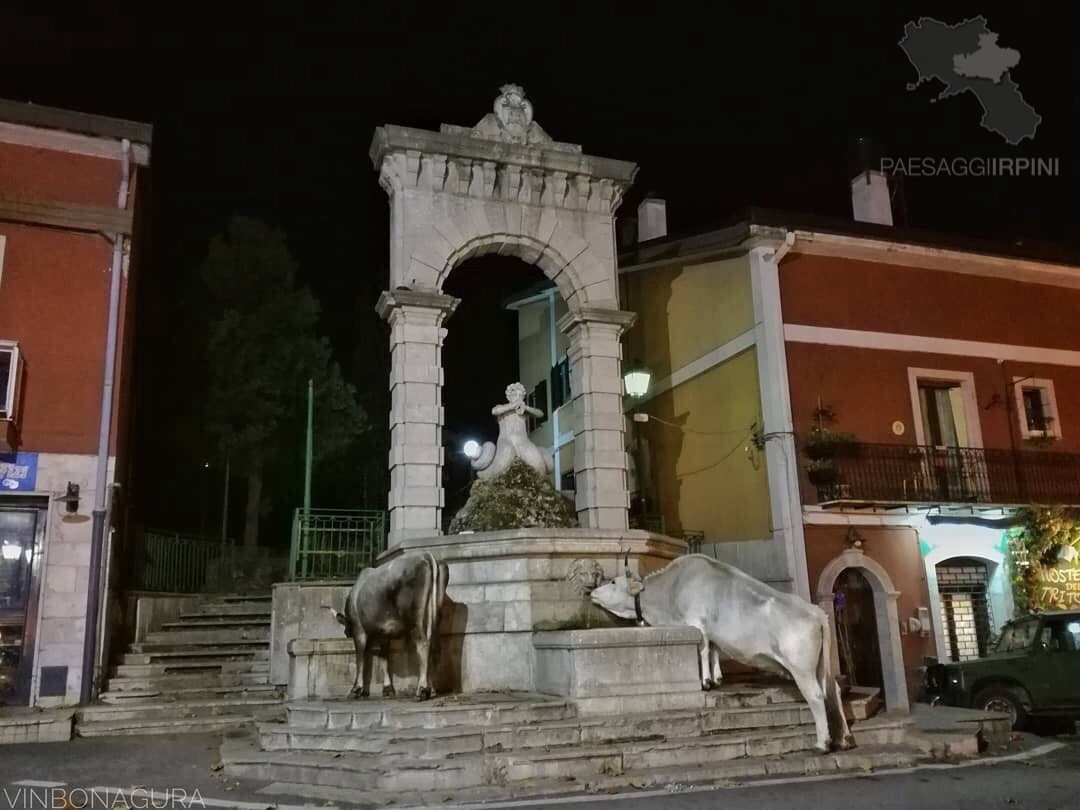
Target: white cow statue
<point x="744" y="619"/>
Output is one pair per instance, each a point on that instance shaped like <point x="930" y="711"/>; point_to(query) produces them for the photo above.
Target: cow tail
<point x="435" y="597"/>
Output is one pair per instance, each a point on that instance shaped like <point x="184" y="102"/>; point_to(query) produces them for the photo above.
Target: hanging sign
<point x="1057" y="587"/>
<point x="18" y="472"/>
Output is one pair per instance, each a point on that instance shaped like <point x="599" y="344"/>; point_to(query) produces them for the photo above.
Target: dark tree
<point x="263" y="348"/>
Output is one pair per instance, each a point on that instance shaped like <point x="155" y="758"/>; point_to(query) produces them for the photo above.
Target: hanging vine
<point x="1047" y="536"/>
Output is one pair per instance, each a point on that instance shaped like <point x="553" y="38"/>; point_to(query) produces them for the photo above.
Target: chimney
<point x="870" y="200"/>
<point x="651" y="218"/>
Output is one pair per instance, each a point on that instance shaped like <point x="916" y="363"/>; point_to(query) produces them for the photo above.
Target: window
<point x="1036" y="408"/>
<point x="9" y="368"/>
<point x="1018" y="636"/>
<point x="537" y="398"/>
<point x="560" y="383"/>
<point x="945" y="409"/>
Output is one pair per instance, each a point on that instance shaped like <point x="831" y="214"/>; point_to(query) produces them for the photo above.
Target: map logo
<point x="967" y="57"/>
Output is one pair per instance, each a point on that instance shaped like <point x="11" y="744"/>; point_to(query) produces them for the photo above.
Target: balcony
<point x="885" y="475"/>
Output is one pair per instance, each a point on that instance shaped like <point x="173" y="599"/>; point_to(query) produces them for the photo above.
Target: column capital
<point x="597" y="315"/>
<point x="391" y="300"/>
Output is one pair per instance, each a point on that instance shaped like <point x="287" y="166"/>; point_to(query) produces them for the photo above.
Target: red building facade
<point x="953" y="378"/>
<point x="69" y="190"/>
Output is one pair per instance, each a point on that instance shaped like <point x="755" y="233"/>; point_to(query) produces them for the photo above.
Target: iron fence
<point x="897" y="473"/>
<point x="335" y="543"/>
<point x="169" y="561"/>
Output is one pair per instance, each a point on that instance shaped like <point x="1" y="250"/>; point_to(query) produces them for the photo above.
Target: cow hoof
<point x="388" y="691"/>
<point x="848" y="743"/>
<point x="708" y="684"/>
<point x="424" y="693"/>
<point x="358" y="693"/>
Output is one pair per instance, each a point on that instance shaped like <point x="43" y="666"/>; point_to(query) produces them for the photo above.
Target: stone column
<point x="416" y="414"/>
<point x="600" y="461"/>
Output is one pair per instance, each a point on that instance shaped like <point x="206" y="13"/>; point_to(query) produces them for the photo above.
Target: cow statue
<point x="744" y="619"/>
<point x="400" y="599"/>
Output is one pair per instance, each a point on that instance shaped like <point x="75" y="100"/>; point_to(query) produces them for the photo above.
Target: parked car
<point x="1034" y="671"/>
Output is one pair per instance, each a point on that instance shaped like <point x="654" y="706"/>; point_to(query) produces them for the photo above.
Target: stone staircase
<point x="206" y="671"/>
<point x="481" y="746"/>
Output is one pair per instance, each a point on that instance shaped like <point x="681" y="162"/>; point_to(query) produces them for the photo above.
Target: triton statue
<point x="513" y="441"/>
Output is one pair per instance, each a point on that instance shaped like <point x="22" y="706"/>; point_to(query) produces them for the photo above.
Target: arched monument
<point x="502" y="186"/>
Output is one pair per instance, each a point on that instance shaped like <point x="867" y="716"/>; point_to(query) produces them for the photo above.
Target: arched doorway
<point x="885" y="619"/>
<point x="856" y="630"/>
<point x="502" y="186"/>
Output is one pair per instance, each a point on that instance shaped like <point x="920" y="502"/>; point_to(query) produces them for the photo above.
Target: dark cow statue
<point x="400" y="599"/>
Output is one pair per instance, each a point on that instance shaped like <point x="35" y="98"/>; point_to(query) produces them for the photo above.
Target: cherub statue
<point x="513" y="441"/>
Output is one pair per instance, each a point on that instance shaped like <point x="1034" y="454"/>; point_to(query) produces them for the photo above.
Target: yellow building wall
<point x="685" y="311"/>
<point x="702" y="475"/>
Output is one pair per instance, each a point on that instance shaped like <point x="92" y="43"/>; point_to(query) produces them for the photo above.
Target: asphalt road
<point x="32" y="776"/>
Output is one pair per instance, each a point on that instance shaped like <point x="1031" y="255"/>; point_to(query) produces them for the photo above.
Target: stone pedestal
<point x="503" y="587"/>
<point x="617" y="661"/>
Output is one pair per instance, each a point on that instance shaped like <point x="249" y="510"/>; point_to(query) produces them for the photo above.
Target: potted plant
<point x="823" y="443"/>
<point x="822" y="472"/>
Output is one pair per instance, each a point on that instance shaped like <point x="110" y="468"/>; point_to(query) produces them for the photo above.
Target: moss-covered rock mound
<point x="520" y="498"/>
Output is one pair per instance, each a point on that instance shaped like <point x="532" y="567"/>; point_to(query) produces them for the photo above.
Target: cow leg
<point x="423" y="654"/>
<point x="815" y="699"/>
<point x="363" y="665"/>
<point x="714" y="665"/>
<point x="704" y="653"/>
<point x="387" y="678"/>
<point x="834" y="705"/>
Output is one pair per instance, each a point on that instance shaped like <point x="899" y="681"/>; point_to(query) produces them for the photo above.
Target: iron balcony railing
<point x="164" y="561"/>
<point x="897" y="473"/>
<point x="335" y="543"/>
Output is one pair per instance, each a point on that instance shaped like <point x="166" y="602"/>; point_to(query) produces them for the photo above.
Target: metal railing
<point x="897" y="473"/>
<point x="335" y="543"/>
<point x="169" y="561"/>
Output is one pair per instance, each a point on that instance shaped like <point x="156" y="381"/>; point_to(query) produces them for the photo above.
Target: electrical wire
<point x="697" y="432"/>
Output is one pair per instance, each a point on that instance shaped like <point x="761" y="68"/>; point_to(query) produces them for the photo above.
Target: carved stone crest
<point x="512" y="120"/>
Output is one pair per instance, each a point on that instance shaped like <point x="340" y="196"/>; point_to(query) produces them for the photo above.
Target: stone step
<point x="453" y="740"/>
<point x="233" y="598"/>
<point x="579" y="763"/>
<point x="191" y="680"/>
<point x="195" y="667"/>
<point x="131" y="696"/>
<point x="675" y="779"/>
<point x="223" y="611"/>
<point x="224" y="635"/>
<point x="196" y="654"/>
<point x="218" y="622"/>
<point x="176" y="709"/>
<point x="439" y="713"/>
<point x="190" y="725"/>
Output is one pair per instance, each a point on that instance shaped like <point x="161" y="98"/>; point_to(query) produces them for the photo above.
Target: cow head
<point x="341" y="619"/>
<point x="621" y="596"/>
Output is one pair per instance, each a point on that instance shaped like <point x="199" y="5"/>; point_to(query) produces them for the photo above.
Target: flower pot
<point x="823" y="476"/>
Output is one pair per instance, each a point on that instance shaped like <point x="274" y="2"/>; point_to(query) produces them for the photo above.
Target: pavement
<point x="183" y="771"/>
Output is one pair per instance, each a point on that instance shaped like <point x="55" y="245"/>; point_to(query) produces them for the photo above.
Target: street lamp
<point x="636" y="379"/>
<point x="471" y="449"/>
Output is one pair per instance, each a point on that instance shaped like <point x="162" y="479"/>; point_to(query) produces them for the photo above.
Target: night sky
<point x="267" y="109"/>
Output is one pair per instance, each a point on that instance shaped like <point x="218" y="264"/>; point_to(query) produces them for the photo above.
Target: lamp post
<point x="636" y="381"/>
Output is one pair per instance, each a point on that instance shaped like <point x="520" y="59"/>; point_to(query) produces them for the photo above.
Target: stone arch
<point x="503" y="185"/>
<point x="886" y="615"/>
<point x="554" y="265"/>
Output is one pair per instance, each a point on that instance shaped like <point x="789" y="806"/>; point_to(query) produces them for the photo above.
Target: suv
<point x="1033" y="671"/>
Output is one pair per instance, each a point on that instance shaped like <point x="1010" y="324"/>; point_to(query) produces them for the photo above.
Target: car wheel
<point x="1005" y="700"/>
